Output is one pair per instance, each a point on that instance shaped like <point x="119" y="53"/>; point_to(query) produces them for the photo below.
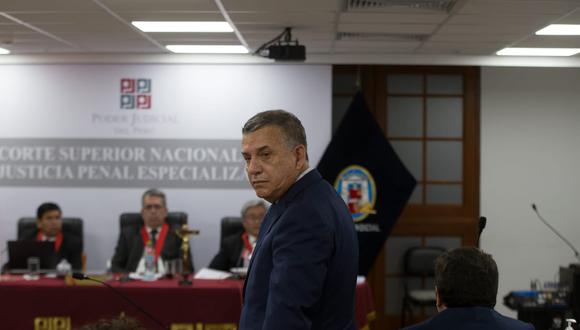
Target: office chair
<point x="26" y="227"/>
<point x="230" y="226"/>
<point x="418" y="262"/>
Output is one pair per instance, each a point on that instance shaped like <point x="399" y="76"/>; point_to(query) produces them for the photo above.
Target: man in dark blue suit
<point x="302" y="274"/>
<point x="466" y="287"/>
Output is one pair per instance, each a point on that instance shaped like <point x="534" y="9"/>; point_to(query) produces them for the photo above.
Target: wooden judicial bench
<point x="56" y="304"/>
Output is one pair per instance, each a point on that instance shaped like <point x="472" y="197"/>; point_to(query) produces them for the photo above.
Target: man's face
<point x="253" y="219"/>
<point x="50" y="224"/>
<point x="271" y="165"/>
<point x="153" y="211"/>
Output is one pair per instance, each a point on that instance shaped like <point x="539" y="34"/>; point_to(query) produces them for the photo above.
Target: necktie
<point x="153" y="236"/>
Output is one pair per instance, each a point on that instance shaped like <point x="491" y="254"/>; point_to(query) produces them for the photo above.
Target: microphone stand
<point x="576" y="254"/>
<point x="481" y="226"/>
<point x="81" y="276"/>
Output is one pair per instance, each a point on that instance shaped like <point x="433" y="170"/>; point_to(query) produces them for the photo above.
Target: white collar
<point x="304" y="173"/>
<point x="48" y="238"/>
<point x="149" y="229"/>
<point x="309" y="169"/>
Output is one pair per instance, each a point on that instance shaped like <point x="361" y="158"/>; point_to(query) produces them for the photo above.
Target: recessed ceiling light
<point x="560" y="30"/>
<point x="4" y="51"/>
<point x="517" y="51"/>
<point x="150" y="26"/>
<point x="207" y="49"/>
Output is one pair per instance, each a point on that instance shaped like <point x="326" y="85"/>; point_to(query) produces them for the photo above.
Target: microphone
<point x="576" y="254"/>
<point x="81" y="276"/>
<point x="481" y="226"/>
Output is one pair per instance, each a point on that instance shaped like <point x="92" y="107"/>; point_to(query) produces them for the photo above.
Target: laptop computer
<point x="20" y="251"/>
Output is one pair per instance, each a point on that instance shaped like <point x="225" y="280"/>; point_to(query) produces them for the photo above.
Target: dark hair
<point x="121" y="323"/>
<point x="466" y="277"/>
<point x="46" y="207"/>
<point x="292" y="130"/>
<point x="154" y="192"/>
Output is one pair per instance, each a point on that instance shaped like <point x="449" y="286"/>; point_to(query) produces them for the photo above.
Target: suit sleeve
<point x="120" y="258"/>
<point x="301" y="247"/>
<point x="229" y="254"/>
<point x="220" y="261"/>
<point x="75" y="254"/>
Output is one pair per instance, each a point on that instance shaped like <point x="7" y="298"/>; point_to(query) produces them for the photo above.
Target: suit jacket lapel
<point x="167" y="248"/>
<point x="137" y="251"/>
<point x="236" y="252"/>
<point x="276" y="211"/>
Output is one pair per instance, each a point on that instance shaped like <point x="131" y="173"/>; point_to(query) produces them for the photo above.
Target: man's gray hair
<point x="252" y="203"/>
<point x="292" y="129"/>
<point x="154" y="192"/>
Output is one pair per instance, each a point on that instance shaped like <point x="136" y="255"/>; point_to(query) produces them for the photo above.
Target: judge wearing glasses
<point x="132" y="240"/>
<point x="236" y="250"/>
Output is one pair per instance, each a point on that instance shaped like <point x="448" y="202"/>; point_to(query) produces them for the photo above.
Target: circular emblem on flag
<point x="357" y="187"/>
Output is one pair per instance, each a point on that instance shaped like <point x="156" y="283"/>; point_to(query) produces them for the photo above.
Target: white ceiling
<point x="329" y="29"/>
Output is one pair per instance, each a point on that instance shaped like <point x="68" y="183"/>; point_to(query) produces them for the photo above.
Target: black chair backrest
<point x="420" y="261"/>
<point x="71" y="226"/>
<point x="174" y="219"/>
<point x="230" y="226"/>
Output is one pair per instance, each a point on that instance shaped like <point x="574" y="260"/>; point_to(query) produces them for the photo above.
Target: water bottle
<point x="109" y="270"/>
<point x="63" y="268"/>
<point x="149" y="274"/>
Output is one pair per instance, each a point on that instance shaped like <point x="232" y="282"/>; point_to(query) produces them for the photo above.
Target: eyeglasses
<point x="253" y="220"/>
<point x="151" y="207"/>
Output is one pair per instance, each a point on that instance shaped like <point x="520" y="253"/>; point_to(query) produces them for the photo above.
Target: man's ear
<point x="301" y="158"/>
<point x="38" y="223"/>
<point x="438" y="302"/>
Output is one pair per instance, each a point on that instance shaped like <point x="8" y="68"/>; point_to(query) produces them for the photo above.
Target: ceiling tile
<point x="17" y="6"/>
<point x="519" y="7"/>
<point x="121" y="6"/>
<point x="281" y="6"/>
<point x="550" y="42"/>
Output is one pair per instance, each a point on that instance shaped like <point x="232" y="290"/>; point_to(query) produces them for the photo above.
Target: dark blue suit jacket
<point x="471" y="318"/>
<point x="303" y="271"/>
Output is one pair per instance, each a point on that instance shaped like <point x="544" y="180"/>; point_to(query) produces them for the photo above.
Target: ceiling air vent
<point x="351" y="36"/>
<point x="441" y="5"/>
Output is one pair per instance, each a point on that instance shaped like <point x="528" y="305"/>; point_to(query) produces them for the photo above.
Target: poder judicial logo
<point x="135" y="94"/>
<point x="357" y="187"/>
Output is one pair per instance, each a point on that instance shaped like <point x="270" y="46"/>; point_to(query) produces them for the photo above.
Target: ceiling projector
<point x="283" y="48"/>
<point x="288" y="52"/>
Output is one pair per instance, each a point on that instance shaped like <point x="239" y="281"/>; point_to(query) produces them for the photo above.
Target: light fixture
<point x="520" y="51"/>
<point x="208" y="49"/>
<point x="160" y="26"/>
<point x="560" y="30"/>
<point x="4" y="51"/>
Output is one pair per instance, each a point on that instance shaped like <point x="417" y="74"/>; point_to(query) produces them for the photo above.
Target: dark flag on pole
<point x="366" y="172"/>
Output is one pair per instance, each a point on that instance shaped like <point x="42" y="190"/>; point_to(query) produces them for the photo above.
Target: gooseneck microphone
<point x="481" y="226"/>
<point x="81" y="276"/>
<point x="576" y="254"/>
